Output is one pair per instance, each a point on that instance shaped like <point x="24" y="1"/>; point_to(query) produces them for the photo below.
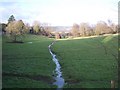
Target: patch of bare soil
<point x="71" y="81"/>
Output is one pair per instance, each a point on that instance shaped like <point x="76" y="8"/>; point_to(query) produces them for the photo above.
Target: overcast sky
<point x="60" y="12"/>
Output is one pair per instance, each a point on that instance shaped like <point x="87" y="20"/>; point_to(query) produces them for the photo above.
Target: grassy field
<point x="27" y="65"/>
<point x="88" y="62"/>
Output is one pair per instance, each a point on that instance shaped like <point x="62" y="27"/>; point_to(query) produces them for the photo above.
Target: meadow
<point x="88" y="62"/>
<point x="28" y="64"/>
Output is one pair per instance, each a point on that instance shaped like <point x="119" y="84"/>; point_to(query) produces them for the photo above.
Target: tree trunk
<point x="15" y="39"/>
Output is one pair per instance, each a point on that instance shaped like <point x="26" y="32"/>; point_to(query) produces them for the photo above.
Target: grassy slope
<point x="86" y="64"/>
<point x="27" y="60"/>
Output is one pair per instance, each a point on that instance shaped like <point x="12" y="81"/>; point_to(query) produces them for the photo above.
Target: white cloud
<point x="60" y="12"/>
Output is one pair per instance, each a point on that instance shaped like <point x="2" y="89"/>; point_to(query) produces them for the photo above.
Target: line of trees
<point x="17" y="29"/>
<point x="84" y="29"/>
<point x="41" y="29"/>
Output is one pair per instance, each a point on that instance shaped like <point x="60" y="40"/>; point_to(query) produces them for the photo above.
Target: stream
<point x="59" y="80"/>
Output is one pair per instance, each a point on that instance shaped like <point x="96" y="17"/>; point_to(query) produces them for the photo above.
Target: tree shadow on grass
<point x="45" y="79"/>
<point x="17" y="42"/>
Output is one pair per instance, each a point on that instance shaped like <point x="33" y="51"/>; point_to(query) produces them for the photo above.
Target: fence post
<point x="112" y="84"/>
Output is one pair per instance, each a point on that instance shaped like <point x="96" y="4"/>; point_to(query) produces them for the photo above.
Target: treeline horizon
<point x="45" y="29"/>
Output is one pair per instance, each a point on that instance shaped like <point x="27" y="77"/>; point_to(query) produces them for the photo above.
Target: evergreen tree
<point x="11" y="19"/>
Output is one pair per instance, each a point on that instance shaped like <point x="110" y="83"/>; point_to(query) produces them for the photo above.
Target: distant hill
<point x="61" y="28"/>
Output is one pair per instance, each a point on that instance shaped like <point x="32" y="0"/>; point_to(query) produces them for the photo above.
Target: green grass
<point x="16" y="82"/>
<point x="22" y="60"/>
<point x="88" y="63"/>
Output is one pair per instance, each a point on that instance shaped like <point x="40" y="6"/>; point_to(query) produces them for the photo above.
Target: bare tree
<point x="75" y="30"/>
<point x="85" y="29"/>
<point x="112" y="26"/>
<point x="47" y="29"/>
<point x="102" y="28"/>
<point x="36" y="27"/>
<point x="27" y="28"/>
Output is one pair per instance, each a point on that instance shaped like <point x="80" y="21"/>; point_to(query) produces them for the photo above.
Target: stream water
<point x="59" y="80"/>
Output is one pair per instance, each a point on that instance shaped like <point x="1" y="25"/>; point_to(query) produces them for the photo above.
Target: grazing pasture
<point x="88" y="62"/>
<point x="28" y="64"/>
